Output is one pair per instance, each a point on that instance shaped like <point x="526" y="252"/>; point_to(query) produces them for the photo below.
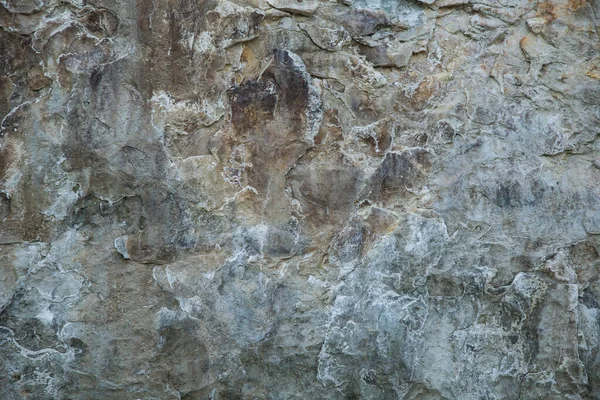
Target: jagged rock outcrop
<point x="281" y="199"/>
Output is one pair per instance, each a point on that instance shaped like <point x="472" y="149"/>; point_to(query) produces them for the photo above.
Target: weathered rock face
<point x="281" y="199"/>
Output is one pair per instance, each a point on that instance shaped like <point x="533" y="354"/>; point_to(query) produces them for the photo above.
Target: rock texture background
<point x="299" y="199"/>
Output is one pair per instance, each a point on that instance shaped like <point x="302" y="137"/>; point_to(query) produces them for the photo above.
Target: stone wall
<point x="299" y="199"/>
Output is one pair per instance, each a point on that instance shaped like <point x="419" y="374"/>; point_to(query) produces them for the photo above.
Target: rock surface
<point x="299" y="199"/>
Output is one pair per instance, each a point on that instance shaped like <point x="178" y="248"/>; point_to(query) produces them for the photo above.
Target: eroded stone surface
<point x="299" y="199"/>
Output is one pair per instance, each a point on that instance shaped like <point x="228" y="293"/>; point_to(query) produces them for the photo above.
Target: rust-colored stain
<point x="576" y="4"/>
<point x="594" y="73"/>
<point x="547" y="11"/>
<point x="525" y="43"/>
<point x="427" y="88"/>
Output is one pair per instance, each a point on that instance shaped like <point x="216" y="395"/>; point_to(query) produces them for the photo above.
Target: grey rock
<point x="281" y="199"/>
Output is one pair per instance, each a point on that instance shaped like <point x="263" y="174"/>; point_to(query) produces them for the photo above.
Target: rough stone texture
<point x="299" y="199"/>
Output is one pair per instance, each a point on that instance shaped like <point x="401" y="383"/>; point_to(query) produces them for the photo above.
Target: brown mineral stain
<point x="523" y="42"/>
<point x="546" y="10"/>
<point x="576" y="4"/>
<point x="7" y="157"/>
<point x="331" y="129"/>
<point x="530" y="45"/>
<point x="594" y="73"/>
<point x="427" y="88"/>
<point x="247" y="56"/>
